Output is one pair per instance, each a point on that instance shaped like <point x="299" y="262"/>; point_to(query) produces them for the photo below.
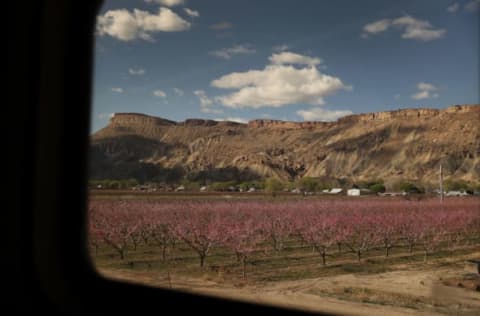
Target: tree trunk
<point x="275" y="244"/>
<point x="164" y="247"/>
<point x="244" y="263"/>
<point x="323" y="258"/>
<point x="202" y="259"/>
<point x="359" y="255"/>
<point x="387" y="250"/>
<point x="122" y="253"/>
<point x="169" y="278"/>
<point x="339" y="245"/>
<point x="411" y="248"/>
<point x="425" y="256"/>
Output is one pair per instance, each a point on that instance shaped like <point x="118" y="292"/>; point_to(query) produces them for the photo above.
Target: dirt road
<point x="406" y="291"/>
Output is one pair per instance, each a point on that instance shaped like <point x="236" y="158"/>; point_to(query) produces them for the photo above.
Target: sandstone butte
<point x="406" y="144"/>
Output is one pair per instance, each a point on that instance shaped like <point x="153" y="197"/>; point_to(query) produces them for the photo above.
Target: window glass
<point x="322" y="155"/>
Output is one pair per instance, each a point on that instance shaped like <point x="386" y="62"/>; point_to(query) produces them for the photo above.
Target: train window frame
<point x="52" y="56"/>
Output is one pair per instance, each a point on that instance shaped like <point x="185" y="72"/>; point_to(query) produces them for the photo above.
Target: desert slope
<point x="402" y="144"/>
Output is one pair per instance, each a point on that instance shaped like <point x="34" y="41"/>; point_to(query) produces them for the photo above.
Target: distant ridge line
<point x="124" y="118"/>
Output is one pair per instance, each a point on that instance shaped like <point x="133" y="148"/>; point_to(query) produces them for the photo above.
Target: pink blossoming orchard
<point x="240" y="234"/>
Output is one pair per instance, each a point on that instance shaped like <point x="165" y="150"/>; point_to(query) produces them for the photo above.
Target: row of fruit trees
<point x="246" y="227"/>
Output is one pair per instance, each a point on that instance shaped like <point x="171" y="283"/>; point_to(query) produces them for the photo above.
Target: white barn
<point x="353" y="192"/>
<point x="456" y="193"/>
<point x="335" y="191"/>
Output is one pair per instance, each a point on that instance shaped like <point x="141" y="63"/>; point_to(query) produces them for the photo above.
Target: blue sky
<point x="279" y="59"/>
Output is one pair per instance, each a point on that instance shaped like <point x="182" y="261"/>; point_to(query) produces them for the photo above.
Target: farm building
<point x="392" y="193"/>
<point x="456" y="193"/>
<point x="335" y="191"/>
<point x="353" y="192"/>
<point x="332" y="191"/>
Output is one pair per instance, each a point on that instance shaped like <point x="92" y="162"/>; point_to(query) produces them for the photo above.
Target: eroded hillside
<point x="402" y="144"/>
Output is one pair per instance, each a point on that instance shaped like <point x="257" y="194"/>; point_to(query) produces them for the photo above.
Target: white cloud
<point x="378" y="26"/>
<point x="233" y="119"/>
<point x="221" y="26"/>
<point x="136" y="71"/>
<point x="320" y="114"/>
<point x="472" y="6"/>
<point x="397" y="96"/>
<point x="277" y="85"/>
<point x="418" y="29"/>
<point x="105" y="115"/>
<point x="280" y="48"/>
<point x="178" y="91"/>
<point x="421" y="95"/>
<point x="159" y="93"/>
<point x="227" y="53"/>
<point x="453" y="8"/>
<point x="166" y="21"/>
<point x="425" y="91"/>
<point x="117" y="90"/>
<point x="202" y="96"/>
<point x="120" y="24"/>
<point x="210" y="110"/>
<point x="412" y="28"/>
<point x="191" y="12"/>
<point x="426" y="86"/>
<point x="206" y="102"/>
<point x="168" y="3"/>
<point x="126" y="26"/>
<point x="293" y="58"/>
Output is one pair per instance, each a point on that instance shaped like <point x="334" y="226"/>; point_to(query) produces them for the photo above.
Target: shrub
<point x="273" y="185"/>
<point x="190" y="185"/>
<point x="222" y="186"/>
<point x="377" y="188"/>
<point x="410" y="188"/>
<point x="458" y="185"/>
<point x="308" y="184"/>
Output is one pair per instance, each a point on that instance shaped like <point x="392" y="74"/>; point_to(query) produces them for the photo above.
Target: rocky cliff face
<point x="405" y="144"/>
<point x="137" y="119"/>
<point x="273" y="124"/>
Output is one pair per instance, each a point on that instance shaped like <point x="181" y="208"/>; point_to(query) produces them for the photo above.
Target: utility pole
<point x="441" y="183"/>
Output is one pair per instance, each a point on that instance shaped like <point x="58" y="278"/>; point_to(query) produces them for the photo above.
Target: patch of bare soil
<point x="469" y="281"/>
<point x="413" y="290"/>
